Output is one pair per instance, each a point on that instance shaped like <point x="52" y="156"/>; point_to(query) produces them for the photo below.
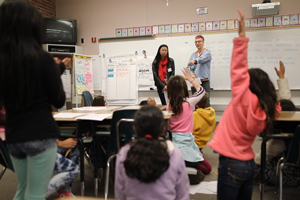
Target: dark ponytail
<point x="148" y="157"/>
<point x="263" y="88"/>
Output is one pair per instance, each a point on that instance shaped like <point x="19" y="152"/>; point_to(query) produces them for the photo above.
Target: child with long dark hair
<point x="181" y="123"/>
<point x="29" y="84"/>
<point x="163" y="68"/>
<point x="253" y="108"/>
<point x="150" y="167"/>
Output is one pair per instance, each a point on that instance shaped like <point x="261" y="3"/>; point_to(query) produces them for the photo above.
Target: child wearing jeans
<point x="181" y="123"/>
<point x="252" y="110"/>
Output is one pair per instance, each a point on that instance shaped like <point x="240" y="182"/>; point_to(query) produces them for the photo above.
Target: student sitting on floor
<point x="150" y="167"/>
<point x="66" y="170"/>
<point x="204" y="122"/>
<point x="181" y="122"/>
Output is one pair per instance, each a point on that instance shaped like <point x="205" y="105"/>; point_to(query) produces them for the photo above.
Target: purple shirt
<point x="172" y="184"/>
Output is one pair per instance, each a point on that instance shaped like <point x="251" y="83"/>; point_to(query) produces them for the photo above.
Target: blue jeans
<point x="236" y="179"/>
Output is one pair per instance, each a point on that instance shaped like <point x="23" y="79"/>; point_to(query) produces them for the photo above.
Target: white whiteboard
<point x="266" y="48"/>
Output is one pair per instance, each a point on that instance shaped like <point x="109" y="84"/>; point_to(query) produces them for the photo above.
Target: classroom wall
<point x="100" y="18"/>
<point x="47" y="8"/>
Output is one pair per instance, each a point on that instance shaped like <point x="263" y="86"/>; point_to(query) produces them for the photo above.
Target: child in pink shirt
<point x="252" y="110"/>
<point x="182" y="123"/>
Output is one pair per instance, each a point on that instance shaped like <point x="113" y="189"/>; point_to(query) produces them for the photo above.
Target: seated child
<point x="150" y="167"/>
<point x="149" y="101"/>
<point x="204" y="122"/>
<point x="99" y="101"/>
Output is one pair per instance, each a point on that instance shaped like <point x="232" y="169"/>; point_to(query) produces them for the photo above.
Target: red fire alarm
<point x="94" y="39"/>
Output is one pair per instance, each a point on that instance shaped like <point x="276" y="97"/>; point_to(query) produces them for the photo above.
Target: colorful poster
<point x="208" y="26"/>
<point x="231" y="24"/>
<point x="83" y="73"/>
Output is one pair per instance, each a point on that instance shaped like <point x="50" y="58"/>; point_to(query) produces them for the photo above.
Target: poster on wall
<point x="144" y="70"/>
<point x="121" y="77"/>
<point x="83" y="74"/>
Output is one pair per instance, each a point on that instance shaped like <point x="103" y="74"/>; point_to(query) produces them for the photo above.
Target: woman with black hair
<point x="29" y="84"/>
<point x="163" y="68"/>
<point x="150" y="167"/>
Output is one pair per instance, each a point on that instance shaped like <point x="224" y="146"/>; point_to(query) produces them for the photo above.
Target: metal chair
<point x="5" y="160"/>
<point x="122" y="132"/>
<point x="292" y="158"/>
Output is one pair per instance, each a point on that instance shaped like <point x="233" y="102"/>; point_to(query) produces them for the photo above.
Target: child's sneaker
<point x="65" y="194"/>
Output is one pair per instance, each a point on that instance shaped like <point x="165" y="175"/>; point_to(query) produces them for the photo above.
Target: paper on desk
<point x="95" y="117"/>
<point x="166" y="112"/>
<point x="204" y="188"/>
<point x="67" y="115"/>
<point x="89" y="108"/>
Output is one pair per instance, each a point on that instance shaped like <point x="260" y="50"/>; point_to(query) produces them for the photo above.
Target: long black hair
<point x="158" y="56"/>
<point x="263" y="88"/>
<point x="148" y="158"/>
<point x="20" y="41"/>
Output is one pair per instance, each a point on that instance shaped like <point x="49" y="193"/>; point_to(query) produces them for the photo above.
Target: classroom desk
<point x="284" y="124"/>
<point x="83" y="126"/>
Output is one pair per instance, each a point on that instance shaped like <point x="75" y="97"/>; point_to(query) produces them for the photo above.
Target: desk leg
<point x="262" y="168"/>
<point x="81" y="165"/>
<point x="95" y="158"/>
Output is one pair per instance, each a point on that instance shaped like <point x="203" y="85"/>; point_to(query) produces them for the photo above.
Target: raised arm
<point x="283" y="84"/>
<point x="240" y="78"/>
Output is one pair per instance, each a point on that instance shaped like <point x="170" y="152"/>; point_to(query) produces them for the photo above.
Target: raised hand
<point x="187" y="74"/>
<point x="241" y="20"/>
<point x="281" y="71"/>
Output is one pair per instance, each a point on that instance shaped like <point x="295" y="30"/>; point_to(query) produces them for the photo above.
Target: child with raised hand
<point x="181" y="123"/>
<point x="204" y="122"/>
<point x="150" y="167"/>
<point x="252" y="110"/>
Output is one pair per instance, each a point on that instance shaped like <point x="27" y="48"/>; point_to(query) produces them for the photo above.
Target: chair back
<point x="125" y="132"/>
<point x="125" y="129"/>
<point x="5" y="160"/>
<point x="88" y="98"/>
<point x="293" y="152"/>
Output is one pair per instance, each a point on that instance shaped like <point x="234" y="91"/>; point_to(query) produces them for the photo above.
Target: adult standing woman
<point x="199" y="63"/>
<point x="29" y="84"/>
<point x="163" y="68"/>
